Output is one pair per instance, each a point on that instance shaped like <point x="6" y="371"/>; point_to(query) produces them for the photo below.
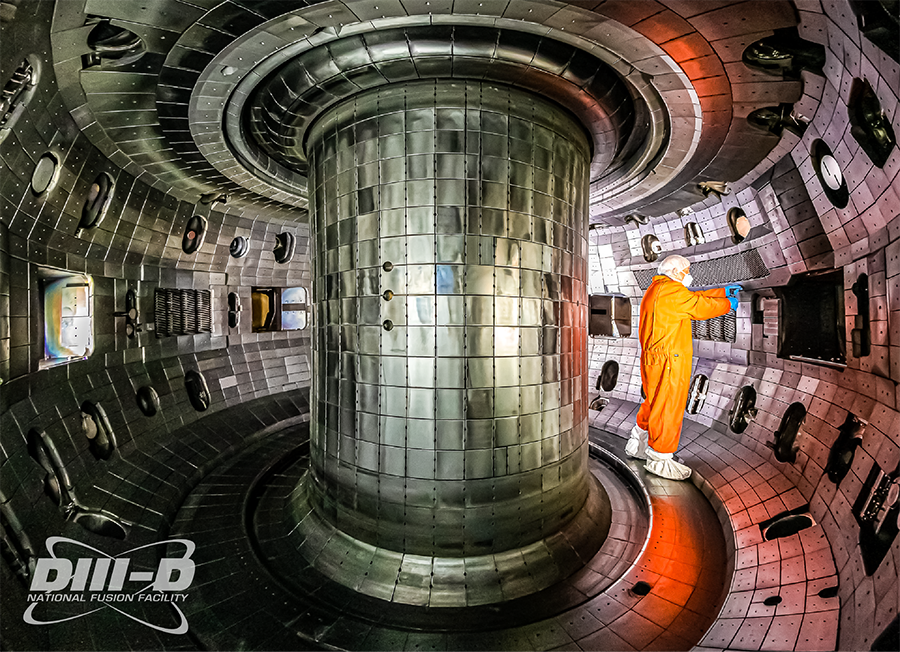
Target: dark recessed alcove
<point x="811" y="319"/>
<point x="775" y="119"/>
<point x="743" y="410"/>
<point x="609" y="376"/>
<point x="785" y="53"/>
<point x="877" y="509"/>
<point x="786" y="436"/>
<point x="869" y="126"/>
<point x="147" y="400"/>
<point x="879" y="21"/>
<point x="860" y="334"/>
<point x="98" y="430"/>
<point x="97" y="202"/>
<point x="840" y="458"/>
<point x="787" y="523"/>
<point x="114" y="45"/>
<point x="194" y="233"/>
<point x="651" y="247"/>
<point x="284" y="248"/>
<point x="197" y="390"/>
<point x="697" y="393"/>
<point x="641" y="588"/>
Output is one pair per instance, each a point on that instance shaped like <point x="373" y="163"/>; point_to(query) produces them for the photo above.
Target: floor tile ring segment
<point x="303" y="579"/>
<point x="311" y="608"/>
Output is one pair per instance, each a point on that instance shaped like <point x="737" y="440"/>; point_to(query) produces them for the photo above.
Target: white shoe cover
<point x="664" y="466"/>
<point x="636" y="446"/>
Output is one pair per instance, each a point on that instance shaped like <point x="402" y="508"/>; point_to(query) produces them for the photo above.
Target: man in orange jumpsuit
<point x="666" y="357"/>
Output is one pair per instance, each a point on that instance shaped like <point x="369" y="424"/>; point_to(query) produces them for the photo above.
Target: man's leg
<point x="636" y="446"/>
<point x="666" y="417"/>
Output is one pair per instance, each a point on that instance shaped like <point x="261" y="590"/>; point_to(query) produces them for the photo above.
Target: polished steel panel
<point x="464" y="357"/>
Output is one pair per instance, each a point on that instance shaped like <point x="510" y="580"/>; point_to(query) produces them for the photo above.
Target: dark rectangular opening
<point x="811" y="325"/>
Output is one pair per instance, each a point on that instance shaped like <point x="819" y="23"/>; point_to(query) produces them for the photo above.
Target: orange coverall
<point x="667" y="353"/>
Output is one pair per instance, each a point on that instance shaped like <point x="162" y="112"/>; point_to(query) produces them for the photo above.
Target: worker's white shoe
<point x="664" y="466"/>
<point x="636" y="446"/>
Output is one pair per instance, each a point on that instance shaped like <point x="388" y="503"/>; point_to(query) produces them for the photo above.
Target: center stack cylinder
<point x="449" y="253"/>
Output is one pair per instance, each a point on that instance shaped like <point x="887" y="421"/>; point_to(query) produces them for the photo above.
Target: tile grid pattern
<point x="749" y="490"/>
<point x="450" y="385"/>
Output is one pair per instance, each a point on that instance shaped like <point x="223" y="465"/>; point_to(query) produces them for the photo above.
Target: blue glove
<point x="734" y="302"/>
<point x="732" y="290"/>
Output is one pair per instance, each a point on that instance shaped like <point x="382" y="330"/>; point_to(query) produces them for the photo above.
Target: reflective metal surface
<point x="462" y="429"/>
<point x="282" y="107"/>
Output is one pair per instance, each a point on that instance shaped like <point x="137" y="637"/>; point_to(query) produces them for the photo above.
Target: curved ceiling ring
<point x="230" y="76"/>
<point x="285" y="104"/>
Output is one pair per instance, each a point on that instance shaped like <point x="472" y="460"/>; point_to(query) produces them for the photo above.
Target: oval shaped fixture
<point x="785" y="54"/>
<point x="787" y="526"/>
<point x="697" y="393"/>
<point x="45" y="174"/>
<point x="388" y="325"/>
<point x="115" y="44"/>
<point x="775" y="119"/>
<point x="598" y="403"/>
<point x="194" y="233"/>
<point x="197" y="390"/>
<point x="147" y="400"/>
<point x="239" y="247"/>
<point x="693" y="234"/>
<point x="42" y="450"/>
<point x="651" y="247"/>
<point x="637" y="219"/>
<point x="96" y="427"/>
<point x="744" y="409"/>
<point x="786" y="435"/>
<point x="830" y="175"/>
<point x="738" y="224"/>
<point x="284" y="247"/>
<point x="97" y="202"/>
<point x="840" y="457"/>
<point x="388" y="266"/>
<point x="609" y="376"/>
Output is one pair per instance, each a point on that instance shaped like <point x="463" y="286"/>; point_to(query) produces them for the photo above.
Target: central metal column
<point x="449" y="249"/>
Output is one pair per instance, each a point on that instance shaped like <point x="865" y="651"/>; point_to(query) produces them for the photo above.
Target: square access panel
<point x="610" y="315"/>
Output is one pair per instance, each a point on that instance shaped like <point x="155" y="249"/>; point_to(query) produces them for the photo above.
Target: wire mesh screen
<point x="717" y="329"/>
<point x="182" y="312"/>
<point x="742" y="266"/>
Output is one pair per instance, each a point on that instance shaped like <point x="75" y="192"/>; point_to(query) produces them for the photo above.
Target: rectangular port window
<point x="279" y="309"/>
<point x="68" y="307"/>
<point x="294" y="303"/>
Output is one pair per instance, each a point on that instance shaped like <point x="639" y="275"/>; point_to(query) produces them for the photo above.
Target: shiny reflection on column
<point x="450" y="369"/>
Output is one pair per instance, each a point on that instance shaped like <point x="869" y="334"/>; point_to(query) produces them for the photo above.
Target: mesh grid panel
<point x="717" y="329"/>
<point x="182" y="312"/>
<point x="742" y="266"/>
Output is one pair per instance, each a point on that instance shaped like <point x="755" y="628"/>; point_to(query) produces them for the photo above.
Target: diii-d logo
<point x="109" y="582"/>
